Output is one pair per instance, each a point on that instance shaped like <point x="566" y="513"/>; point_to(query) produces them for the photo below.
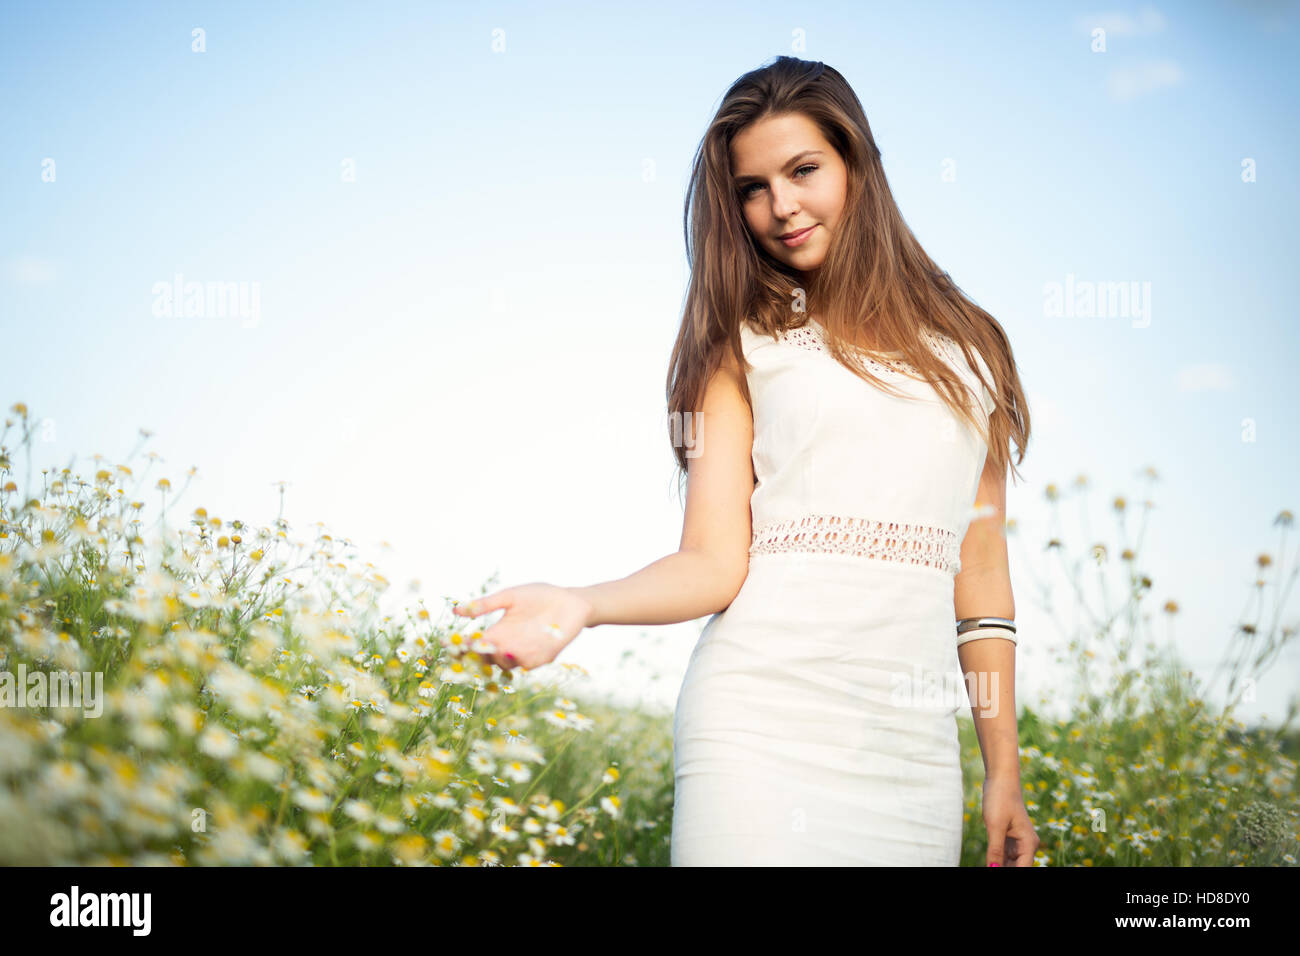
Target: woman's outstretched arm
<point x="678" y="587"/>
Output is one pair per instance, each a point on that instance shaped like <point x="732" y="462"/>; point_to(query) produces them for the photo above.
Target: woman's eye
<point x="745" y="192"/>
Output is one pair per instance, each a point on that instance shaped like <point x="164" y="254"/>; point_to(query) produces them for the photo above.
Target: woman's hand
<point x="1011" y="832"/>
<point x="540" y="621"/>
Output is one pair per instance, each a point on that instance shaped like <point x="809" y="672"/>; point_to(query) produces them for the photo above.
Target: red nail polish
<point x="995" y="864"/>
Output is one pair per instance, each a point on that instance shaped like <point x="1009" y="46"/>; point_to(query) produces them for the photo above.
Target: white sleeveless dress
<point x="816" y="722"/>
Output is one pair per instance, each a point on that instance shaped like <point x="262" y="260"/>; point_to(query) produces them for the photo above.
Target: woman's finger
<point x="1028" y="846"/>
<point x="504" y="661"/>
<point x="483" y="605"/>
<point x="1009" y="855"/>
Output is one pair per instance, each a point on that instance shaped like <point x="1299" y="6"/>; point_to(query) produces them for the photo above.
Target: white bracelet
<point x="976" y="633"/>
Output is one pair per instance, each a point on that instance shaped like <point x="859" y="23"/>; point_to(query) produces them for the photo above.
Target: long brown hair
<point x="875" y="278"/>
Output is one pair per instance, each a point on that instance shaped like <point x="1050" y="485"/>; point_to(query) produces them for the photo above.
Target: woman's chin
<point x="804" y="267"/>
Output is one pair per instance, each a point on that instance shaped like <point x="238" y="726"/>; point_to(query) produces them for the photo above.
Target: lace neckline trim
<point x="812" y="336"/>
<point x="821" y="332"/>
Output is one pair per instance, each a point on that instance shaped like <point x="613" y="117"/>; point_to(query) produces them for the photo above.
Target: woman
<point x="819" y="404"/>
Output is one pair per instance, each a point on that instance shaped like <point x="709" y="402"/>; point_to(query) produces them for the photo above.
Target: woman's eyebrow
<point x="788" y="163"/>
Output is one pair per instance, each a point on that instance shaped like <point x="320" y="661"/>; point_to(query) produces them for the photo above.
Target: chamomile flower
<point x="290" y="846"/>
<point x="508" y="805"/>
<point x="359" y="810"/>
<point x="558" y="718"/>
<point x="218" y="742"/>
<point x="504" y="830"/>
<point x="309" y="798"/>
<point x="518" y="771"/>
<point x="559" y="835"/>
<point x="445" y="843"/>
<point x="259" y="765"/>
<point x="409" y="850"/>
<point x="66" y="780"/>
<point x="550" y="809"/>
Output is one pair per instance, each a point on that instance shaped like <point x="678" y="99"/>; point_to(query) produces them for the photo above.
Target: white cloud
<point x="30" y="269"/>
<point x="1149" y="20"/>
<point x="1130" y="82"/>
<point x="1209" y="377"/>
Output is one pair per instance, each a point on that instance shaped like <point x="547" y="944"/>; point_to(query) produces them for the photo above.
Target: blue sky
<point x="464" y="223"/>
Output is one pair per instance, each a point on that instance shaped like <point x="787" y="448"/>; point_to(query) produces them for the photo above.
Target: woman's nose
<point x="784" y="205"/>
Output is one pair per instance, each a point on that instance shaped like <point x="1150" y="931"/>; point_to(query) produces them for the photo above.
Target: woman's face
<point x="789" y="178"/>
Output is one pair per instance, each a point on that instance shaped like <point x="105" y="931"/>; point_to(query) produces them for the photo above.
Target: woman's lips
<point x="799" y="237"/>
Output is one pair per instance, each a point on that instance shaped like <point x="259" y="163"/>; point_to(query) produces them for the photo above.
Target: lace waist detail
<point x="863" y="537"/>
